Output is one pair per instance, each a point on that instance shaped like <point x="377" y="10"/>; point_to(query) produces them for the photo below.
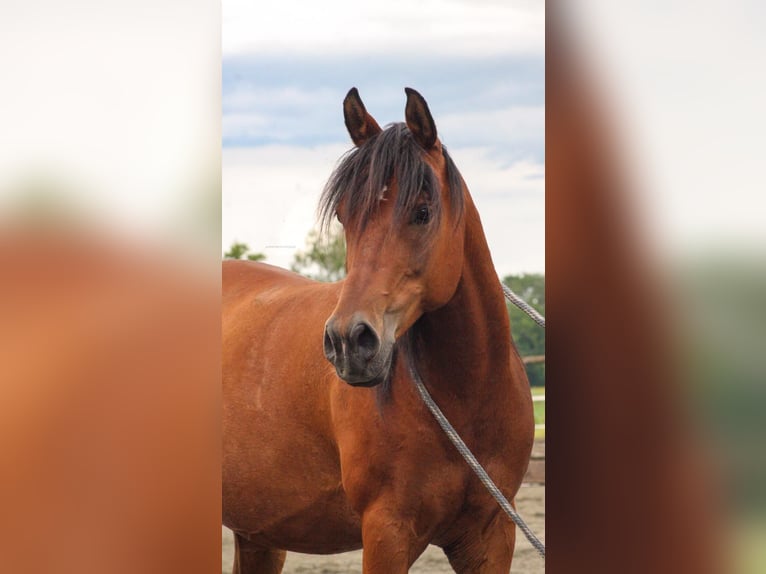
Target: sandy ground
<point x="530" y="503"/>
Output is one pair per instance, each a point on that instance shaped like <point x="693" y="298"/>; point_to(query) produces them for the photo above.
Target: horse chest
<point x="408" y="462"/>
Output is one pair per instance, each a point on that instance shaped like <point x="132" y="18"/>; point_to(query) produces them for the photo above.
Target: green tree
<point x="324" y="258"/>
<point x="528" y="336"/>
<point x="242" y="251"/>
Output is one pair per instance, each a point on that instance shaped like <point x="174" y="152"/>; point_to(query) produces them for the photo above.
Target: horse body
<point x="314" y="464"/>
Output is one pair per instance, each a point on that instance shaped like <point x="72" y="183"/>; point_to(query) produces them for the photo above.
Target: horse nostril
<point x="365" y="340"/>
<point x="329" y="348"/>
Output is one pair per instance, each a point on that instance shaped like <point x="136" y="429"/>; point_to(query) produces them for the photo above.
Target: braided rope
<point x="463" y="449"/>
<point x="451" y="433"/>
<point x="523" y="305"/>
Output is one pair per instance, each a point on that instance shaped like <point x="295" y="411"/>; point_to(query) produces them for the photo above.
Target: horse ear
<point x="419" y="119"/>
<point x="361" y="126"/>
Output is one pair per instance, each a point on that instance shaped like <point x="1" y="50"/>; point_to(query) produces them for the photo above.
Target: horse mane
<point x="363" y="172"/>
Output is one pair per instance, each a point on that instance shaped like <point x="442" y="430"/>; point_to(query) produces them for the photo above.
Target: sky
<point x="286" y="70"/>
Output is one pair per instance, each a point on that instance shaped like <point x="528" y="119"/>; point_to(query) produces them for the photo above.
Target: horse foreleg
<point x="486" y="551"/>
<point x="249" y="559"/>
<point x="389" y="542"/>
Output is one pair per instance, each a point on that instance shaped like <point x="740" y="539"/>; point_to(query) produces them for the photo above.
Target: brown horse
<point x="327" y="446"/>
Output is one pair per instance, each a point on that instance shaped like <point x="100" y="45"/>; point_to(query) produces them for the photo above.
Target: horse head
<point x="400" y="198"/>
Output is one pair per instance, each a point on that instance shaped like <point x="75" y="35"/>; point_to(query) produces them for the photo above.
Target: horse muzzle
<point x="357" y="352"/>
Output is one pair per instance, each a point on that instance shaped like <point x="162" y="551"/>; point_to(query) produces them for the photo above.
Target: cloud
<point x="510" y="199"/>
<point x="513" y="133"/>
<point x="270" y="195"/>
<point x="451" y="82"/>
<point x="341" y="27"/>
<point x="497" y="102"/>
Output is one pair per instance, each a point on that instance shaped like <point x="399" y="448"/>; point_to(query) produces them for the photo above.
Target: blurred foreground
<point x="109" y="287"/>
<point x="109" y="405"/>
<point x="655" y="301"/>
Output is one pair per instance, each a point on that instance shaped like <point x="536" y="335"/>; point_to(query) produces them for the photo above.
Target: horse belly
<point x="282" y="487"/>
<point x="298" y="518"/>
<point x="287" y="494"/>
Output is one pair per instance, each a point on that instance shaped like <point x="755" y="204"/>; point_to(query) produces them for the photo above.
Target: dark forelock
<point x="364" y="171"/>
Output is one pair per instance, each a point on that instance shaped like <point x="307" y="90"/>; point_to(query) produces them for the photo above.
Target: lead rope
<point x="523" y="305"/>
<point x="461" y="447"/>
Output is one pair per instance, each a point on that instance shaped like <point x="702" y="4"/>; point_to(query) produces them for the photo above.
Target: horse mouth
<point x="373" y="382"/>
<point x="362" y="379"/>
<point x="370" y="375"/>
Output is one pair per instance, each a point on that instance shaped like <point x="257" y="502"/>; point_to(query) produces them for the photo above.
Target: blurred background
<point x="109" y="116"/>
<point x="109" y="286"/>
<point x="654" y="218"/>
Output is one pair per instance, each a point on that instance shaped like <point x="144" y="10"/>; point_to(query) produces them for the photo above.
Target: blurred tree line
<point x="528" y="335"/>
<point x="324" y="259"/>
<point x="242" y="251"/>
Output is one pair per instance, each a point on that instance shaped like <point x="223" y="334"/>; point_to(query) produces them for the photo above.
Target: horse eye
<point x="422" y="215"/>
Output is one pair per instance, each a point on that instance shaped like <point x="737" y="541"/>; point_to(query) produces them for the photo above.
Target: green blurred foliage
<point x="528" y="336"/>
<point x="725" y="327"/>
<point x="242" y="251"/>
<point x="324" y="258"/>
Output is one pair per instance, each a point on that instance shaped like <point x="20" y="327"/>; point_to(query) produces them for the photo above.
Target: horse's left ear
<point x="419" y="119"/>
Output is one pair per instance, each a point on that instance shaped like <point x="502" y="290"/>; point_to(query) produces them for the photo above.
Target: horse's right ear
<point x="361" y="126"/>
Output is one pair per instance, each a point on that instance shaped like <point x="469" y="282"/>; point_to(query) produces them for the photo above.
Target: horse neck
<point x="467" y="341"/>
